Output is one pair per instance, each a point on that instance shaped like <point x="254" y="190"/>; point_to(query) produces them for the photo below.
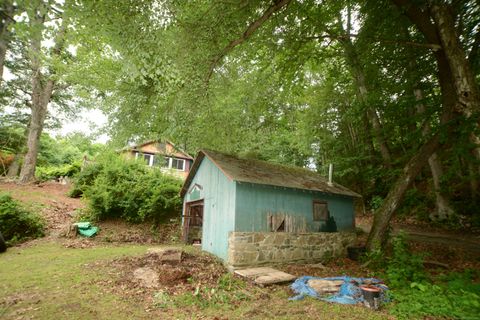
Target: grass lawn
<point x="48" y="281"/>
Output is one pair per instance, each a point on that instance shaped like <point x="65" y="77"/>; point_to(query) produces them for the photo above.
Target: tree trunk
<point x="443" y="209"/>
<point x="358" y="74"/>
<point x="442" y="32"/>
<point x="35" y="128"/>
<point x="6" y="18"/>
<point x="463" y="77"/>
<point x="362" y="95"/>
<point x="14" y="167"/>
<point x="42" y="89"/>
<point x="473" y="174"/>
<point x="379" y="232"/>
<point x="468" y="94"/>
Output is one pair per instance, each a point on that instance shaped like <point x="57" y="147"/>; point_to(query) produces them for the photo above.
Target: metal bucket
<point x="371" y="296"/>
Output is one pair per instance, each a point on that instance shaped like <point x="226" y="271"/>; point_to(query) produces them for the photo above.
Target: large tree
<point x="305" y="83"/>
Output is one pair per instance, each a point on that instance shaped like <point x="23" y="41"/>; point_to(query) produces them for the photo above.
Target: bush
<point x="416" y="296"/>
<point x="403" y="267"/>
<point x="55" y="172"/>
<point x="119" y="188"/>
<point x="85" y="179"/>
<point x="456" y="298"/>
<point x="16" y="223"/>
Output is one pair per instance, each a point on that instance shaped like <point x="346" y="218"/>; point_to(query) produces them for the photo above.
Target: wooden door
<point x="193" y="218"/>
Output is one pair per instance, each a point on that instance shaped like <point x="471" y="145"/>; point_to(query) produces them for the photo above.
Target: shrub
<point x="403" y="267"/>
<point x="16" y="223"/>
<point x="119" y="188"/>
<point x="416" y="296"/>
<point x="456" y="298"/>
<point x="55" y="172"/>
<point x="84" y="179"/>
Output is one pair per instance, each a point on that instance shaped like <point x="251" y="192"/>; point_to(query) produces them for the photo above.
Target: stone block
<point x="269" y="239"/>
<point x="258" y="237"/>
<point x="279" y="238"/>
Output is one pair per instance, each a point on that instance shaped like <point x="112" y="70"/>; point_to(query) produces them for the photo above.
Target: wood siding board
<point x="254" y="202"/>
<point x="218" y="194"/>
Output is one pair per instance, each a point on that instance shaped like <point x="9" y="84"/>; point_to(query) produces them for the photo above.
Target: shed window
<point x="320" y="210"/>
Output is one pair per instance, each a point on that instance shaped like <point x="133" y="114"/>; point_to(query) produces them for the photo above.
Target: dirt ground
<point x="140" y="277"/>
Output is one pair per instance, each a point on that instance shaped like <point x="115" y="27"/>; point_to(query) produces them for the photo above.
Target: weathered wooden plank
<point x="265" y="275"/>
<point x="252" y="272"/>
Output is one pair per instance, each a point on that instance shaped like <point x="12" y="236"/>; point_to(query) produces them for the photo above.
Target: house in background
<point x="251" y="212"/>
<point x="162" y="154"/>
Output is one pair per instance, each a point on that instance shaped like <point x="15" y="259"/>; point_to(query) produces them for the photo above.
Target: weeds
<point x="228" y="291"/>
<point x="416" y="295"/>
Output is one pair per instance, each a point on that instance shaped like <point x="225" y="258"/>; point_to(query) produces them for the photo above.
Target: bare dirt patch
<point x="139" y="278"/>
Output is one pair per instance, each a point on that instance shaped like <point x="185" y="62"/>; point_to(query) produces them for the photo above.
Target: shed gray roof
<point x="266" y="173"/>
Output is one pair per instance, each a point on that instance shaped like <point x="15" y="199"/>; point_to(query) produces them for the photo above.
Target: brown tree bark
<point x="42" y="90"/>
<point x="442" y="32"/>
<point x="467" y="90"/>
<point x="14" y="167"/>
<point x="358" y="74"/>
<point x="379" y="233"/>
<point x="443" y="209"/>
<point x="6" y="19"/>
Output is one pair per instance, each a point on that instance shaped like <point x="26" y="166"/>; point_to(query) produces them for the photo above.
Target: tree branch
<point x="420" y="18"/>
<point x="434" y="47"/>
<point x="276" y="6"/>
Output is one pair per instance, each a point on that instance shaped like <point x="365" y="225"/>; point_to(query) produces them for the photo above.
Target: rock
<point x="148" y="277"/>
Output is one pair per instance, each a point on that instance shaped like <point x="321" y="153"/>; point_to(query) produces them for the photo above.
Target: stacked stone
<point x="258" y="248"/>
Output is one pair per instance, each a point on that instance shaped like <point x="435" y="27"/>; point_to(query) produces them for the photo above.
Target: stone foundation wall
<point x="258" y="248"/>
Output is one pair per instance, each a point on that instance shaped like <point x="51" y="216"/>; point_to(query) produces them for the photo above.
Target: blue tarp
<point x="349" y="293"/>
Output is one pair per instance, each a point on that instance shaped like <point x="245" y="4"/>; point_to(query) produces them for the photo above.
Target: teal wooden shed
<point x="225" y="196"/>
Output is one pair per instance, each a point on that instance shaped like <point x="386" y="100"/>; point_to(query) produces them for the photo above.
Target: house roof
<point x="179" y="153"/>
<point x="266" y="173"/>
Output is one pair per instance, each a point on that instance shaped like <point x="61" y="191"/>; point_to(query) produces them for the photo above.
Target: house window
<point x="160" y="161"/>
<point x="178" y="164"/>
<point x="148" y="158"/>
<point x="320" y="210"/>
